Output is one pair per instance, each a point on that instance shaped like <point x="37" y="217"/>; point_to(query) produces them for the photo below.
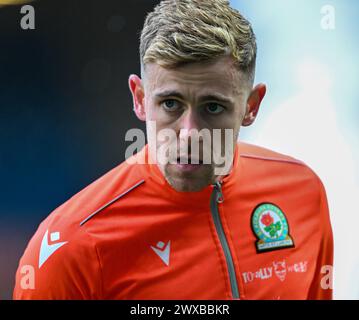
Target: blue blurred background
<point x="308" y="57"/>
<point x="65" y="107"/>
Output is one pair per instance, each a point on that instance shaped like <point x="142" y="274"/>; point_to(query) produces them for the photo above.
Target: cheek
<point x="150" y="110"/>
<point x="239" y="115"/>
<point x="232" y="121"/>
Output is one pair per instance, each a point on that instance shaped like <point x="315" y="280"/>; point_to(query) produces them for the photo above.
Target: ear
<point x="253" y="103"/>
<point x="138" y="95"/>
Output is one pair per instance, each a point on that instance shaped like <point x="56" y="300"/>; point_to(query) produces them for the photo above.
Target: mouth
<point x="189" y="161"/>
<point x="188" y="164"/>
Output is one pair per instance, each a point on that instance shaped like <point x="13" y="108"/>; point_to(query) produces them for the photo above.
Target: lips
<point x="188" y="165"/>
<point x="189" y="161"/>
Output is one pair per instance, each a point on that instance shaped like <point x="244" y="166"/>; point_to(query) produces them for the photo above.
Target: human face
<point x="186" y="99"/>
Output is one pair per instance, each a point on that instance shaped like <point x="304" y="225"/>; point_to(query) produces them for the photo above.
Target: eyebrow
<point x="176" y="94"/>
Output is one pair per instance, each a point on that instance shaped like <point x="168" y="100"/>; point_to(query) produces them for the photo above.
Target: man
<point x="254" y="226"/>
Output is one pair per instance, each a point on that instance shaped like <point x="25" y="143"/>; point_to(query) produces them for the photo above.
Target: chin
<point x="185" y="186"/>
<point x="188" y="181"/>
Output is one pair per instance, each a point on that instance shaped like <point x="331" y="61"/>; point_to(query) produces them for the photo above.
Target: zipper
<point x="216" y="198"/>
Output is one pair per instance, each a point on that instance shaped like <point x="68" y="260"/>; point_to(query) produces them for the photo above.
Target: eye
<point x="170" y="105"/>
<point x="214" y="108"/>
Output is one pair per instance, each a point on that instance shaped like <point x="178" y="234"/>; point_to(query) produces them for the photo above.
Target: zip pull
<point x="218" y="186"/>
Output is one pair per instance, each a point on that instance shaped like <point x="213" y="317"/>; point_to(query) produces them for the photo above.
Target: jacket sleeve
<point x="72" y="271"/>
<point x="322" y="284"/>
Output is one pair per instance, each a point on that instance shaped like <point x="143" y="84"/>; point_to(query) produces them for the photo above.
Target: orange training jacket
<point x="263" y="232"/>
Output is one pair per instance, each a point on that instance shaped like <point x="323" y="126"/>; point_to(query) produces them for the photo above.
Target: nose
<point x="188" y="125"/>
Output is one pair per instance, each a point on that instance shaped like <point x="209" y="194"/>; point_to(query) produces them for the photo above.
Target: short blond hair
<point x="184" y="31"/>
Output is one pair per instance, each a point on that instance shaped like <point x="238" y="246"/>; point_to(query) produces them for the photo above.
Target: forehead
<point x="218" y="75"/>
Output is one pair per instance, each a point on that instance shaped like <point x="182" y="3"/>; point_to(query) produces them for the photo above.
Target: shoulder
<point x="257" y="154"/>
<point x="251" y="151"/>
<point x="63" y="255"/>
<point x="272" y="164"/>
<point x="95" y="196"/>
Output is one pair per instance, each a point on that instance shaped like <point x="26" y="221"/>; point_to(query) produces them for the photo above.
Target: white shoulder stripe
<point x="244" y="155"/>
<point x="111" y="202"/>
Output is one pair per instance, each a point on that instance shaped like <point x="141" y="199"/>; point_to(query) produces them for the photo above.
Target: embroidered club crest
<point x="270" y="227"/>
